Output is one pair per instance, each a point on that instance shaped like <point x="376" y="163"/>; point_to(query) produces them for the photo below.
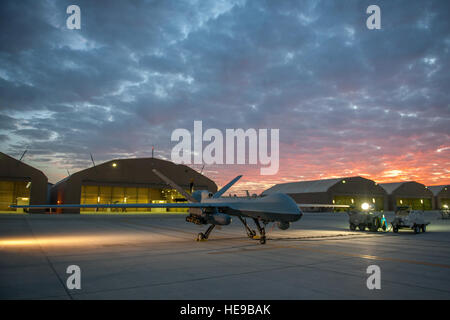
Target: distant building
<point x="441" y="196"/>
<point x="20" y="184"/>
<point x="351" y="191"/>
<point x="408" y="193"/>
<point x="127" y="181"/>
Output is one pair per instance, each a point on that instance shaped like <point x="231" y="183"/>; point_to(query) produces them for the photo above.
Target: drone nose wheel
<point x="204" y="236"/>
<point x="201" y="237"/>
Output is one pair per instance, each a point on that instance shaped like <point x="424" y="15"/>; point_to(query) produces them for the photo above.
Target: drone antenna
<point x="92" y="158"/>
<point x="23" y="154"/>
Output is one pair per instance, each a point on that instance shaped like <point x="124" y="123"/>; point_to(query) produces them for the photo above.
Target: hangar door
<point x="415" y="203"/>
<point x="445" y="203"/>
<point x="92" y="194"/>
<point x="357" y="201"/>
<point x="14" y="192"/>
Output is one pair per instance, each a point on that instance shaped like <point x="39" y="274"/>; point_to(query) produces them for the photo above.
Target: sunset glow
<point x="347" y="100"/>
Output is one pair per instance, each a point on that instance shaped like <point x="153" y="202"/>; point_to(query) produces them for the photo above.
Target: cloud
<point x="346" y="99"/>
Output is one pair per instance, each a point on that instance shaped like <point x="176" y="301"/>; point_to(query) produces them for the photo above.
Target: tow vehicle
<point x="366" y="218"/>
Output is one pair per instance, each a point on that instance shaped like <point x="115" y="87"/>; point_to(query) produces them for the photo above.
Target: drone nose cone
<point x="290" y="207"/>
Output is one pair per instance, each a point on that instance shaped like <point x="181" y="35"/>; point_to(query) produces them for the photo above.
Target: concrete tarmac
<point x="156" y="257"/>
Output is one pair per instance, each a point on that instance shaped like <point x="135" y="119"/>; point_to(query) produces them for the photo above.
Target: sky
<point x="347" y="100"/>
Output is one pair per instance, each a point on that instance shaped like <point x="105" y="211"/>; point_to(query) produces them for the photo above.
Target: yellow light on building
<point x="421" y="201"/>
<point x="114" y="164"/>
<point x="373" y="200"/>
<point x="343" y="181"/>
<point x="98" y="199"/>
<point x="353" y="201"/>
<point x="401" y="201"/>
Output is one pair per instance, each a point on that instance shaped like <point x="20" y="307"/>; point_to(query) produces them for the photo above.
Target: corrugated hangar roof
<point x="392" y="186"/>
<point x="304" y="186"/>
<point x="437" y="189"/>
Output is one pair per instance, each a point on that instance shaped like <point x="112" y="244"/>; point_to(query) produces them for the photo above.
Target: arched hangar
<point x="20" y="184"/>
<point x="408" y="193"/>
<point x="127" y="181"/>
<point x="441" y="196"/>
<point x="351" y="191"/>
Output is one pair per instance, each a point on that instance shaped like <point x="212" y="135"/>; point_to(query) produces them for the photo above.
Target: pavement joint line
<point x="190" y="280"/>
<point x="370" y="257"/>
<point x="174" y="229"/>
<point x="309" y="266"/>
<point x="48" y="260"/>
<point x="159" y="230"/>
<point x="316" y="266"/>
<point x="358" y="255"/>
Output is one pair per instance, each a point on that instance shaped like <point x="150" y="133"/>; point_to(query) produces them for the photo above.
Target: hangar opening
<point x="408" y="193"/>
<point x="350" y="191"/>
<point x="128" y="181"/>
<point x="441" y="196"/>
<point x="20" y="184"/>
<point x="118" y="194"/>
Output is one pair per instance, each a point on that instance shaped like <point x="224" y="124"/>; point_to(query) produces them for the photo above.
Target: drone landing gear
<point x="250" y="233"/>
<point x="262" y="231"/>
<point x="204" y="236"/>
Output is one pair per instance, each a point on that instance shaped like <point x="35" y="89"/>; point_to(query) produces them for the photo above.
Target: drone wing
<point x="316" y="205"/>
<point x="123" y="205"/>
